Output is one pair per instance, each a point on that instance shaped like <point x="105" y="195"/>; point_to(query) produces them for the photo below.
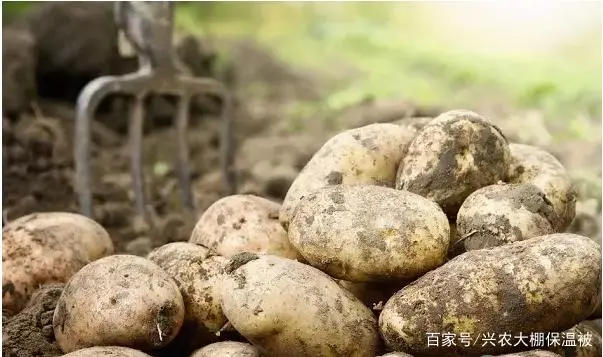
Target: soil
<point x="52" y="52"/>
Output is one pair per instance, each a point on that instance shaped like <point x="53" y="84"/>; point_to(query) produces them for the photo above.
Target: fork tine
<point x="183" y="168"/>
<point x="227" y="143"/>
<point x="135" y="134"/>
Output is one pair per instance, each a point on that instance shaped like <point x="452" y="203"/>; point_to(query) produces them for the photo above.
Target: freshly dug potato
<point x="243" y="223"/>
<point x="44" y="248"/>
<point x="94" y="237"/>
<point x="543" y="284"/>
<point x="227" y="349"/>
<point x="587" y="339"/>
<point x="109" y="351"/>
<point x="455" y="154"/>
<point x="286" y="308"/>
<point x="198" y="277"/>
<point x="533" y="165"/>
<point x="504" y="213"/>
<point x="366" y="155"/>
<point x="122" y="300"/>
<point x="370" y="233"/>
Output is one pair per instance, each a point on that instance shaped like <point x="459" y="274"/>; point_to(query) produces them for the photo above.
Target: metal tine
<point x="227" y="145"/>
<point x="183" y="167"/>
<point x="135" y="135"/>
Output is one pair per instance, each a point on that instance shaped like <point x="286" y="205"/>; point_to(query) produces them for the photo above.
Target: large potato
<point x="533" y="165"/>
<point x="455" y="154"/>
<point x="504" y="213"/>
<point x="582" y="340"/>
<point x="365" y="155"/>
<point x="108" y="351"/>
<point x="370" y="233"/>
<point x="227" y="349"/>
<point x="43" y="248"/>
<point x="122" y="300"/>
<point x="243" y="223"/>
<point x="198" y="277"/>
<point x="543" y="284"/>
<point x="286" y="308"/>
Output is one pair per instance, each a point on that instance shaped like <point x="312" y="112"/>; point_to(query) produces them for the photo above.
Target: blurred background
<point x="301" y="71"/>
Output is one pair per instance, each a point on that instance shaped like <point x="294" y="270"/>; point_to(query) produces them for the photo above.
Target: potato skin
<point x="108" y="351"/>
<point x="34" y="256"/>
<point x="504" y="213"/>
<point x="243" y="223"/>
<point x="369" y="233"/>
<point x="122" y="300"/>
<point x="366" y="155"/>
<point x="286" y="308"/>
<point x="530" y="164"/>
<point x="198" y="276"/>
<point x="455" y="154"/>
<point x="227" y="349"/>
<point x="583" y="328"/>
<point x="543" y="284"/>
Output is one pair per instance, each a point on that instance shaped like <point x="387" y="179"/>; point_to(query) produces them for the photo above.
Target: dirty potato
<point x="108" y="351"/>
<point x="370" y="233"/>
<point x="198" y="277"/>
<point x="532" y="353"/>
<point x="504" y="213"/>
<point x="530" y="164"/>
<point x="286" y="308"/>
<point x="243" y="223"/>
<point x="586" y="337"/>
<point x="543" y="284"/>
<point x="453" y="155"/>
<point x="227" y="349"/>
<point x="365" y="155"/>
<point x="43" y="248"/>
<point x="122" y="300"/>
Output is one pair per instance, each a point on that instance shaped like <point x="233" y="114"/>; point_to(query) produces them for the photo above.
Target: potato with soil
<point x="504" y="213"/>
<point x="543" y="284"/>
<point x="198" y="276"/>
<point x="530" y="164"/>
<point x="108" y="351"/>
<point x="368" y="233"/>
<point x="587" y="338"/>
<point x="286" y="308"/>
<point x="242" y="223"/>
<point x="227" y="349"/>
<point x="366" y="155"/>
<point x="43" y="248"/>
<point x="455" y="154"/>
<point x="532" y="353"/>
<point x="121" y="300"/>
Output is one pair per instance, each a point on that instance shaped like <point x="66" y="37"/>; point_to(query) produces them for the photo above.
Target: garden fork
<point x="148" y="26"/>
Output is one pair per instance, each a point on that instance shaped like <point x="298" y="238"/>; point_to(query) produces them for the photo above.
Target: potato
<point x="455" y="154"/>
<point x="198" y="277"/>
<point x="122" y="300"/>
<point x="504" y="213"/>
<point x="543" y="284"/>
<point x="533" y="165"/>
<point x="365" y="155"/>
<point x="227" y="349"/>
<point x="286" y="308"/>
<point x="396" y="354"/>
<point x="243" y="223"/>
<point x="95" y="238"/>
<point x="43" y="248"/>
<point x="370" y="233"/>
<point x="109" y="351"/>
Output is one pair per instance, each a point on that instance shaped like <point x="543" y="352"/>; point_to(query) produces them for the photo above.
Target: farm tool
<point x="148" y="26"/>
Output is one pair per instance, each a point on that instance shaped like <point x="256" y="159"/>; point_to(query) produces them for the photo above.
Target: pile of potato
<point x="391" y="233"/>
